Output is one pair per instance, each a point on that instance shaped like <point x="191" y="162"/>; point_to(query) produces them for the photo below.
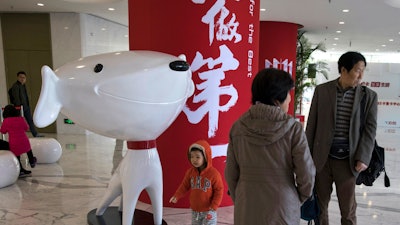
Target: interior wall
<point x="79" y="35"/>
<point x="73" y="36"/>
<point x="102" y="36"/>
<point x="26" y="47"/>
<point x="67" y="46"/>
<point x="3" y="82"/>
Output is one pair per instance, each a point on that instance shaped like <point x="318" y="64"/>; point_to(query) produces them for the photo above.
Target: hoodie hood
<point x="206" y="148"/>
<point x="265" y="124"/>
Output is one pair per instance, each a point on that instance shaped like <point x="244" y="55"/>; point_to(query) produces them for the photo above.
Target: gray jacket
<point x="269" y="169"/>
<point x="322" y="119"/>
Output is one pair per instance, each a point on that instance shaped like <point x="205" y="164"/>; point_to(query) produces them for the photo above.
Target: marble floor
<point x="63" y="193"/>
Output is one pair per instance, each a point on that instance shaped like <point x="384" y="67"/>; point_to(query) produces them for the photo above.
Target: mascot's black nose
<point x="98" y="68"/>
<point x="179" y="65"/>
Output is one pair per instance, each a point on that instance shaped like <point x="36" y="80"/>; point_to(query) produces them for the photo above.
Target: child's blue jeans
<point x="204" y="218"/>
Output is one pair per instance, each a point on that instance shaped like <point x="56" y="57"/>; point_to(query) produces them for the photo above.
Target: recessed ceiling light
<point x="111" y="9"/>
<point x="346" y="10"/>
<point x="341" y="22"/>
<point x="103" y="29"/>
<point x="383" y="45"/>
<point x="40" y="4"/>
<point x="338" y="31"/>
<point x="391" y="40"/>
<point x="334" y="44"/>
<point x="263" y="10"/>
<point x="336" y="38"/>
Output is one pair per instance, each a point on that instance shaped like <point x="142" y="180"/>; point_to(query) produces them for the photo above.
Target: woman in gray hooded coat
<point x="269" y="169"/>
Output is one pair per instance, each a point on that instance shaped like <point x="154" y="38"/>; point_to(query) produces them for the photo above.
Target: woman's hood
<point x="265" y="124"/>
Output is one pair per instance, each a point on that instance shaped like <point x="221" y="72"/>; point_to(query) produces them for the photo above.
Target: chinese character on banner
<point x="220" y="41"/>
<point x="223" y="27"/>
<point x="225" y="31"/>
<point x="210" y="89"/>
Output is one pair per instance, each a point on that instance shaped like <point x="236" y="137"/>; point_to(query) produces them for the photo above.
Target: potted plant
<point x="306" y="69"/>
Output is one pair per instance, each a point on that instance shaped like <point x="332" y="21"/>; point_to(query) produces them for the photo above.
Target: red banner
<point x="220" y="41"/>
<point x="278" y="42"/>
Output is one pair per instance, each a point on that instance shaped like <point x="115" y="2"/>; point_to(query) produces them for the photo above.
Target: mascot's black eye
<point x="179" y="65"/>
<point x="98" y="68"/>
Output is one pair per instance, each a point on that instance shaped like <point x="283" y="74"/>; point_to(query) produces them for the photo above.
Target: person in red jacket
<point x="15" y="125"/>
<point x="205" y="185"/>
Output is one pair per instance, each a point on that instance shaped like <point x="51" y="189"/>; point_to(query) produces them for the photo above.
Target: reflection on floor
<point x="64" y="192"/>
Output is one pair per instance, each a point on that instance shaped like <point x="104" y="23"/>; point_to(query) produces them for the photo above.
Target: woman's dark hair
<point x="349" y="59"/>
<point x="10" y="111"/>
<point x="271" y="85"/>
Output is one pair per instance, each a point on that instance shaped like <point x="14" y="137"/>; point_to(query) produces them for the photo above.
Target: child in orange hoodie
<point x="205" y="185"/>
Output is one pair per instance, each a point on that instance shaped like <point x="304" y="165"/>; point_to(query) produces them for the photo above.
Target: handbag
<point x="310" y="209"/>
<point x="375" y="168"/>
<point x="377" y="163"/>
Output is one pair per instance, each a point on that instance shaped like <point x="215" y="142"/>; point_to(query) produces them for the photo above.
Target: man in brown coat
<point x="339" y="149"/>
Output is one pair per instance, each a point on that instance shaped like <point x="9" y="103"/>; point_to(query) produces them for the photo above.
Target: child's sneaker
<point x="33" y="163"/>
<point x="25" y="173"/>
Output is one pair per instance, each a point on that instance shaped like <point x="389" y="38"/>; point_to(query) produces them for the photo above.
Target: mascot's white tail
<point x="48" y="106"/>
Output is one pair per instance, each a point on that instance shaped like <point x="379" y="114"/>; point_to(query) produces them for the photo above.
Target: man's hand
<point x="360" y="166"/>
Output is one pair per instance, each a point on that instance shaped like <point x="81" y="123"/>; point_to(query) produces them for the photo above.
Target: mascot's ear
<point x="182" y="56"/>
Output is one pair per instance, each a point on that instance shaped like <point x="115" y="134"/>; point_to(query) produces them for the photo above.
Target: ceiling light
<point x="111" y="9"/>
<point x="341" y="22"/>
<point x="336" y="39"/>
<point x="383" y="45"/>
<point x="346" y="10"/>
<point x="391" y="40"/>
<point x="334" y="44"/>
<point x="40" y="4"/>
<point x="263" y="10"/>
<point x="338" y="31"/>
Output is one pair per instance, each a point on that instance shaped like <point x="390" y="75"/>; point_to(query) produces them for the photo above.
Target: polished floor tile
<point x="64" y="192"/>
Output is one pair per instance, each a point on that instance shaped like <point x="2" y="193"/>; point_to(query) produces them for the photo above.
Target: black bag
<point x="4" y="145"/>
<point x="377" y="163"/>
<point x="310" y="210"/>
<point x="339" y="150"/>
<point x="375" y="168"/>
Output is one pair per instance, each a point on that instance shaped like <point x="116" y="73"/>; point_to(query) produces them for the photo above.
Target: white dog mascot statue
<point x="129" y="95"/>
